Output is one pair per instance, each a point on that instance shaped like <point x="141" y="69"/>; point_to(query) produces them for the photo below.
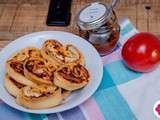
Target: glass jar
<point x="99" y="25"/>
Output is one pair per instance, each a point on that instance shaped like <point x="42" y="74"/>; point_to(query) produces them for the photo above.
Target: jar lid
<point x="93" y="16"/>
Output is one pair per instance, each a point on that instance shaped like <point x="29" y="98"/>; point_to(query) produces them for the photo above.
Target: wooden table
<point x="19" y="17"/>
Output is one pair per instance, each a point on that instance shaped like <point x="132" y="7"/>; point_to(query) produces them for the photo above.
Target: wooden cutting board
<point x="19" y="17"/>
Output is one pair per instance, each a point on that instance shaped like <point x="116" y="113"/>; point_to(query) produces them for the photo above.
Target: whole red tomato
<point x="142" y="52"/>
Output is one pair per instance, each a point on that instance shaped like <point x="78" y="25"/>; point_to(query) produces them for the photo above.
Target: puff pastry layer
<point x="71" y="76"/>
<point x="38" y="71"/>
<point x="14" y="65"/>
<point x="12" y="86"/>
<point x="40" y="97"/>
<point x="58" y="54"/>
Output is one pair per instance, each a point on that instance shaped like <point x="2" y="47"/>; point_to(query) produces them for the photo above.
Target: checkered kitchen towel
<point x="122" y="95"/>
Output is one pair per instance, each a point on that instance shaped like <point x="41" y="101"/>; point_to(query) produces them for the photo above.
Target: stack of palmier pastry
<point x="43" y="78"/>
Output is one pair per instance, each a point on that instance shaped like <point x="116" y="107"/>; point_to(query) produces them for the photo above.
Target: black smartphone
<point x="59" y="13"/>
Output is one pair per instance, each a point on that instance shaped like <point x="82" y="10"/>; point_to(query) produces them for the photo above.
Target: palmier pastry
<point x="53" y="51"/>
<point x="73" y="55"/>
<point x="16" y="71"/>
<point x="15" y="68"/>
<point x="71" y="76"/>
<point x="12" y="86"/>
<point x="40" y="97"/>
<point x="37" y="70"/>
<point x="58" y="54"/>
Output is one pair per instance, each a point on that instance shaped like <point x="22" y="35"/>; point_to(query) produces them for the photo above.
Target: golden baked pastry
<point x="12" y="86"/>
<point x="16" y="71"/>
<point x="38" y="71"/>
<point x="58" y="54"/>
<point x="40" y="97"/>
<point x="53" y="51"/>
<point x="14" y="65"/>
<point x="73" y="55"/>
<point x="71" y="76"/>
<point x="25" y="53"/>
<point x="43" y="78"/>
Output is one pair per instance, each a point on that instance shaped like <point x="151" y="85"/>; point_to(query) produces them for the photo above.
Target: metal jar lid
<point x="94" y="15"/>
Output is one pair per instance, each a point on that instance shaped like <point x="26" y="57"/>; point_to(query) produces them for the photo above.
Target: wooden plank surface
<point x="19" y="17"/>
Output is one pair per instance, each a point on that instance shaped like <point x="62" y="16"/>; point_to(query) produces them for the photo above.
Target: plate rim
<point x="44" y="111"/>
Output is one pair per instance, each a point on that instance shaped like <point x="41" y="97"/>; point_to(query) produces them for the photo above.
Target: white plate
<point x="92" y="59"/>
